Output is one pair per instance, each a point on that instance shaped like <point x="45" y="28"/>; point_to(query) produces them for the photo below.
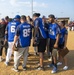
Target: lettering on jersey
<point x="26" y="26"/>
<point x="26" y="32"/>
<point x="12" y="29"/>
<point x="13" y="23"/>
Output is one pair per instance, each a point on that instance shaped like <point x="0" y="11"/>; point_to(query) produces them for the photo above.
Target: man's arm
<point x="16" y="37"/>
<point x="57" y="37"/>
<point x="66" y="37"/>
<point x="57" y="40"/>
<point x="35" y="29"/>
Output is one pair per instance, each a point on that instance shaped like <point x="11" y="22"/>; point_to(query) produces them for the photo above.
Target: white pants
<point x="18" y="54"/>
<point x="9" y="51"/>
<point x="72" y="29"/>
<point x="68" y="28"/>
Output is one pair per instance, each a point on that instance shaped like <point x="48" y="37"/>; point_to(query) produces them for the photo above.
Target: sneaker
<point x="6" y="63"/>
<point x="50" y="59"/>
<point x="40" y="68"/>
<point x="24" y="68"/>
<point x="54" y="70"/>
<point x="36" y="54"/>
<point x="50" y="65"/>
<point x="15" y="69"/>
<point x="29" y="54"/>
<point x="59" y="63"/>
<point x="65" y="68"/>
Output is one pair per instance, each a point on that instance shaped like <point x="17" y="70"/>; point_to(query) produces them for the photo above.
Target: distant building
<point x="67" y="19"/>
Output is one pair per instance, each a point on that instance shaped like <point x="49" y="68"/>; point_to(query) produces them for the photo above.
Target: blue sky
<point x="60" y="8"/>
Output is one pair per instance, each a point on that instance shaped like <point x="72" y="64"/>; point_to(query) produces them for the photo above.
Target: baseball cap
<point x="17" y="17"/>
<point x="36" y="14"/>
<point x="51" y="16"/>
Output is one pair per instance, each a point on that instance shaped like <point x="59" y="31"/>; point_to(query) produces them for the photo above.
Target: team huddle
<point x="21" y="30"/>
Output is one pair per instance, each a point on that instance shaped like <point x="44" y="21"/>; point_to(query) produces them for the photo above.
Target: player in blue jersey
<point x="23" y="35"/>
<point x="10" y="31"/>
<point x="39" y="37"/>
<point x="63" y="43"/>
<point x="53" y="34"/>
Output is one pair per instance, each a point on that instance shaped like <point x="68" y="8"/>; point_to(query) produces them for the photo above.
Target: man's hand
<point x="64" y="47"/>
<point x="13" y="48"/>
<point x="55" y="46"/>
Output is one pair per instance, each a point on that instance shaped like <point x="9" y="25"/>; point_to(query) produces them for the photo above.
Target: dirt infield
<point x="32" y="63"/>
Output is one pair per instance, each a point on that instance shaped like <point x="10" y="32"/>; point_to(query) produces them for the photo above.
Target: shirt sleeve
<point x="66" y="32"/>
<point x="46" y="27"/>
<point x="36" y="23"/>
<point x="58" y="30"/>
<point x="17" y="33"/>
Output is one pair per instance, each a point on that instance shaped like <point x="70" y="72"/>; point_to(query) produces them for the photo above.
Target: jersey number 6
<point x="13" y="29"/>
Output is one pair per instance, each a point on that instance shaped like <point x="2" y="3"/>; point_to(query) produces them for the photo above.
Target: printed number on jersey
<point x="26" y="32"/>
<point x="12" y="29"/>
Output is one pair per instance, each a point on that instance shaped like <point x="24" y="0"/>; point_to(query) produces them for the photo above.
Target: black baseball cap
<point x="51" y="16"/>
<point x="36" y="14"/>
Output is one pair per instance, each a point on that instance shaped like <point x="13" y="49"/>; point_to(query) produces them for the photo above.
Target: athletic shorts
<point x="42" y="45"/>
<point x="51" y="44"/>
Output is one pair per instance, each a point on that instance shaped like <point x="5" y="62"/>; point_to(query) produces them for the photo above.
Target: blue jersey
<point x="53" y="30"/>
<point x="41" y="30"/>
<point x="62" y="35"/>
<point x="11" y="28"/>
<point x="24" y="33"/>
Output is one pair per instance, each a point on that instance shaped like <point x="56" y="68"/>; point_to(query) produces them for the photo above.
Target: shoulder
<point x="27" y="24"/>
<point x="17" y="22"/>
<point x="19" y="27"/>
<point x="65" y="30"/>
<point x="9" y="23"/>
<point x="56" y="25"/>
<point x="38" y="19"/>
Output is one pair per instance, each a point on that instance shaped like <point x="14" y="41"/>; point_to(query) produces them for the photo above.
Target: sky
<point x="60" y="8"/>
